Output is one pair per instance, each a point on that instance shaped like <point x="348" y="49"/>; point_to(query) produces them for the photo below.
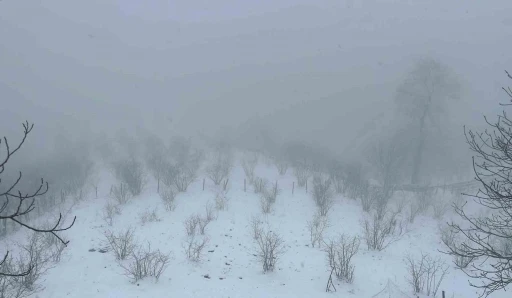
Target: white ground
<point x="302" y="272"/>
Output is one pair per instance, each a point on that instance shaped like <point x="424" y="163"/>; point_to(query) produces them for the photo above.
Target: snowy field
<point x="229" y="267"/>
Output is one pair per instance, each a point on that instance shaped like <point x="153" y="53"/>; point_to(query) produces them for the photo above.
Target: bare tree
<point x="484" y="235"/>
<point x="387" y="156"/>
<point x="422" y="97"/>
<point x="15" y="204"/>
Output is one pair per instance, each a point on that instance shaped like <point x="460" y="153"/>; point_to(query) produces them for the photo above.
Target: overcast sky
<point x="198" y="65"/>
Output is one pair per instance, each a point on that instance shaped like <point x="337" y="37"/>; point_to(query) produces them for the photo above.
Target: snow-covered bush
<point x="302" y="173"/>
<point x="122" y="244"/>
<point x="110" y="210"/>
<point x="191" y="224"/>
<point x="249" y="163"/>
<point x="316" y="228"/>
<point x="149" y="216"/>
<point x="168" y="197"/>
<point x="270" y="247"/>
<point x="322" y="194"/>
<point x="379" y="233"/>
<point x="120" y="194"/>
<point x="131" y="173"/>
<point x="146" y="263"/>
<point x="339" y="256"/>
<point x="194" y="247"/>
<point x="426" y="274"/>
<point x="219" y="169"/>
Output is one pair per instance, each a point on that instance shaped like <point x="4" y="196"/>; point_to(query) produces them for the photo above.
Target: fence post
<point x="443" y="294"/>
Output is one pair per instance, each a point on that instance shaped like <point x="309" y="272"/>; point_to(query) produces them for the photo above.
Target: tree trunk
<point x="419" y="151"/>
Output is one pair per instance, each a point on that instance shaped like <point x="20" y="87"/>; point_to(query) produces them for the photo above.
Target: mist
<point x="232" y="108"/>
<point x="200" y="66"/>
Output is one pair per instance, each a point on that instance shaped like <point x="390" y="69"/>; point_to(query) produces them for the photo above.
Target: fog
<point x="323" y="72"/>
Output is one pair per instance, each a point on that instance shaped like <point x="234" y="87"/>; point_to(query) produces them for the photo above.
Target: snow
<point x="232" y="267"/>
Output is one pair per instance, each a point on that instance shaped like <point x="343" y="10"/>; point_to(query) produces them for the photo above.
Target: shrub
<point x="316" y="228"/>
<point x="379" y="233"/>
<point x="146" y="263"/>
<point x="271" y="194"/>
<point x="256" y="227"/>
<point x="219" y="169"/>
<point x="450" y="239"/>
<point x="109" y="211"/>
<point x="260" y="185"/>
<point x="120" y="194"/>
<point x="302" y="173"/>
<point x="339" y="256"/>
<point x="426" y="274"/>
<point x="203" y="222"/>
<point x="414" y="210"/>
<point x="221" y="201"/>
<point x="122" y="244"/>
<point x="210" y="213"/>
<point x="194" y="248"/>
<point x="400" y="203"/>
<point x="168" y="197"/>
<point x="281" y="165"/>
<point x="34" y="259"/>
<point x="131" y="173"/>
<point x="179" y="176"/>
<point x="336" y="175"/>
<point x="424" y="199"/>
<point x="148" y="216"/>
<point x="322" y="194"/>
<point x="266" y="205"/>
<point x="53" y="246"/>
<point x="249" y="165"/>
<point x="439" y="207"/>
<point x="191" y="224"/>
<point x="270" y="249"/>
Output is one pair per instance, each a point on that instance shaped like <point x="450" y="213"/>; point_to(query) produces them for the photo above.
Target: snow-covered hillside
<point x="229" y="267"/>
